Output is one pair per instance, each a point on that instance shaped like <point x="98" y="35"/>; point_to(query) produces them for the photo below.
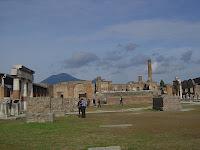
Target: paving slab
<point x="105" y="148"/>
<point x="187" y="109"/>
<point x="115" y="125"/>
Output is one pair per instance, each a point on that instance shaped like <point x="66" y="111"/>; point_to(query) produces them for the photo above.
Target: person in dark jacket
<point x="94" y="102"/>
<point x="79" y="108"/>
<point x="99" y="103"/>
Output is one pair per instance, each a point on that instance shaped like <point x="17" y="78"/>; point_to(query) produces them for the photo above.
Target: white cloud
<point x="80" y="59"/>
<point x="154" y="66"/>
<point x="143" y="30"/>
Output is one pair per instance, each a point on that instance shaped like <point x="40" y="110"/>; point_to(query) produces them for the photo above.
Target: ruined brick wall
<point x="38" y="110"/>
<point x="153" y="86"/>
<point x="72" y="89"/>
<point x="43" y="109"/>
<point x="129" y="97"/>
<point x="197" y="91"/>
<point x="135" y="86"/>
<point x="89" y="90"/>
<point x="168" y="90"/>
<point x="60" y="89"/>
<point x="119" y="87"/>
<point x="50" y="90"/>
<point x="63" y="105"/>
<point x="105" y="85"/>
<point x="138" y="86"/>
<point x="130" y="100"/>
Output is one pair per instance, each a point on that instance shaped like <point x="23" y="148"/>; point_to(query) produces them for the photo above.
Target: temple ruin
<point x="15" y="88"/>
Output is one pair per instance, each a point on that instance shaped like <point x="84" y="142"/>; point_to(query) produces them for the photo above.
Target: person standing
<point x="99" y="103"/>
<point x="79" y="107"/>
<point x="88" y="102"/>
<point x="94" y="102"/>
<point x="83" y="107"/>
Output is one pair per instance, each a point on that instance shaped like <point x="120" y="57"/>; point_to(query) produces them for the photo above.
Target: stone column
<point x="25" y="94"/>
<point x="2" y="81"/>
<point x="30" y="89"/>
<point x="16" y="89"/>
<point x="149" y="71"/>
<point x="180" y="89"/>
<point x="25" y="89"/>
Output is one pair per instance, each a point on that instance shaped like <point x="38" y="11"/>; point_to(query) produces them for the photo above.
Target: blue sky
<point x="110" y="38"/>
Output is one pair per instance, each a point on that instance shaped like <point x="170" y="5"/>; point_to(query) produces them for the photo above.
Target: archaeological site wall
<point x="129" y="97"/>
<point x="44" y="109"/>
<point x="73" y="89"/>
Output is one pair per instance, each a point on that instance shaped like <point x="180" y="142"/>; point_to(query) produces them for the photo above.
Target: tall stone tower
<point x="149" y="71"/>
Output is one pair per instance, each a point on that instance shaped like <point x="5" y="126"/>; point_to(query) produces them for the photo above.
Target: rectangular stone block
<point x="167" y="103"/>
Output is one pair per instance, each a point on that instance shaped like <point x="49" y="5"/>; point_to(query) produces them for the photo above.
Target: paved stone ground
<point x="116" y="125"/>
<point x="106" y="148"/>
<point x="187" y="109"/>
<point x="21" y="116"/>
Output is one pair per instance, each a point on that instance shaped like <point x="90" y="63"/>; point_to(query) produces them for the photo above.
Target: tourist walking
<point x="99" y="103"/>
<point x="94" y="102"/>
<point x="83" y="107"/>
<point x="121" y="101"/>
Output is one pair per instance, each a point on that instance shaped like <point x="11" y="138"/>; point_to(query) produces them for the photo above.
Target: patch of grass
<point x="150" y="130"/>
<point x="118" y="107"/>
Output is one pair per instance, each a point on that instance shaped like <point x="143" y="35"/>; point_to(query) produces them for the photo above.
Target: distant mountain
<point x="62" y="77"/>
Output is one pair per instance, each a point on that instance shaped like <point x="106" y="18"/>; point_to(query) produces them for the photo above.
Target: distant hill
<point x="62" y="77"/>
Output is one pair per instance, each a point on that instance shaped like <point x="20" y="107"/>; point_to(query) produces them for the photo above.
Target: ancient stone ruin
<point x="167" y="103"/>
<point x="10" y="108"/>
<point x="45" y="109"/>
<point x="129" y="97"/>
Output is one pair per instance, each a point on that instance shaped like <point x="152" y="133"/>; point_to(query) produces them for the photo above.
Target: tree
<point x="162" y="83"/>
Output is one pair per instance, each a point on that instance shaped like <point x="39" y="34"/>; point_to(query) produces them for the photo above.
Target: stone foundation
<point x="167" y="103"/>
<point x="7" y="109"/>
<point x="39" y="117"/>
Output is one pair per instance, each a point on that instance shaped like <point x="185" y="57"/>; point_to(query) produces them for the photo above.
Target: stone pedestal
<point x="167" y="103"/>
